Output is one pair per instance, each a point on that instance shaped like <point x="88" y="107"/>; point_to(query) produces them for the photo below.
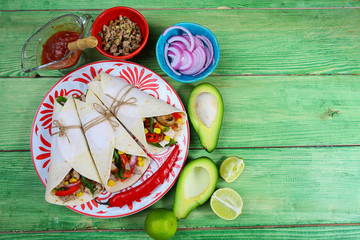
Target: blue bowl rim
<point x="203" y="75"/>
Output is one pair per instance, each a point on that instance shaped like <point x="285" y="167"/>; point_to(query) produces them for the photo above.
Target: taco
<point x="153" y="122"/>
<point x="73" y="178"/>
<point x="119" y="160"/>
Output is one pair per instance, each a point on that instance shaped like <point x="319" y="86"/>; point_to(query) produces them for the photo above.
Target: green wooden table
<point x="289" y="76"/>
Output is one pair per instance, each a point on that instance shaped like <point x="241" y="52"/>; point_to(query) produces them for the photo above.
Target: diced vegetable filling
<point x="123" y="166"/>
<point x="161" y="130"/>
<point x="74" y="185"/>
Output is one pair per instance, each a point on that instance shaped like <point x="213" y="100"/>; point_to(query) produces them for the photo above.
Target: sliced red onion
<point x="167" y="60"/>
<point x="209" y="48"/>
<point x="187" y="54"/>
<point x="171" y="55"/>
<point x="72" y="184"/>
<point x="199" y="54"/>
<point x="178" y="56"/>
<point x="180" y="44"/>
<point x="182" y="39"/>
<point x="197" y="41"/>
<point x="208" y="61"/>
<point x="133" y="160"/>
<point x="206" y="41"/>
<point x="183" y="29"/>
<point x="188" y="61"/>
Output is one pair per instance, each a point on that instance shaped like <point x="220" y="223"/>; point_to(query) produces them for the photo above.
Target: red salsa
<point x="56" y="48"/>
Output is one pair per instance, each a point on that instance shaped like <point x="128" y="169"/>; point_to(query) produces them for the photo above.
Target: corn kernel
<point x="120" y="152"/>
<point x="146" y="131"/>
<point x="113" y="160"/>
<point x="157" y="130"/>
<point x="53" y="191"/>
<point x="72" y="180"/>
<point x="139" y="158"/>
<point x="79" y="194"/>
<point x="140" y="163"/>
<point x="167" y="138"/>
<point x="179" y="120"/>
<point x="111" y="183"/>
<point x="66" y="183"/>
<point x="143" y="119"/>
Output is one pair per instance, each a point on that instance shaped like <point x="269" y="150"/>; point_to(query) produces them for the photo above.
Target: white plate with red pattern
<point x="75" y="83"/>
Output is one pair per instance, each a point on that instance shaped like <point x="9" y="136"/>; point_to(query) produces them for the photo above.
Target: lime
<point x="226" y="203"/>
<point x="231" y="168"/>
<point x="161" y="224"/>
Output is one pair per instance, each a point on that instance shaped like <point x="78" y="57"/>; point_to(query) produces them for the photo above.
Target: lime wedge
<point x="231" y="168"/>
<point x="226" y="203"/>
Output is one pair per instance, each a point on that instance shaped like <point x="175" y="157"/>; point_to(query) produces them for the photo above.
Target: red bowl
<point x="112" y="14"/>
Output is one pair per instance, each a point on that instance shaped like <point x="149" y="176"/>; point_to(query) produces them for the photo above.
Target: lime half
<point x="226" y="203"/>
<point x="231" y="168"/>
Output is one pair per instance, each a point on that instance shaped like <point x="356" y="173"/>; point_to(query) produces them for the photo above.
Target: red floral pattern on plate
<point x="141" y="80"/>
<point x="75" y="84"/>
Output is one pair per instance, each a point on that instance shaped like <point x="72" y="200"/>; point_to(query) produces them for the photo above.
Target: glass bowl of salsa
<point x="48" y="49"/>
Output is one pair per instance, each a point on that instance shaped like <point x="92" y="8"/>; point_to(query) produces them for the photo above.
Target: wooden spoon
<point x="84" y="43"/>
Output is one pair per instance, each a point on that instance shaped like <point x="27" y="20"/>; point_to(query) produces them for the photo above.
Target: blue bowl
<point x="195" y="29"/>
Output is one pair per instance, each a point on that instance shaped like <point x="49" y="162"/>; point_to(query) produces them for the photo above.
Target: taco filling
<point x="74" y="186"/>
<point x="160" y="131"/>
<point x="123" y="166"/>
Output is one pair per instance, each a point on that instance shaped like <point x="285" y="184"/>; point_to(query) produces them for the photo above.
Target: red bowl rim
<point x="145" y="37"/>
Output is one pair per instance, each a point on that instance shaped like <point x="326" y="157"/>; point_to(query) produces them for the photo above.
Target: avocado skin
<point x="182" y="207"/>
<point x="208" y="136"/>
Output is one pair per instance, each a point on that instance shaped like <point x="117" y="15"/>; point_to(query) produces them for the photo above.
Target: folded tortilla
<point x="69" y="151"/>
<point x="130" y="105"/>
<point x="104" y="134"/>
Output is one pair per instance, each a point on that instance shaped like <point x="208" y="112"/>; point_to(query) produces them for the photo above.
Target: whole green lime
<point x="161" y="224"/>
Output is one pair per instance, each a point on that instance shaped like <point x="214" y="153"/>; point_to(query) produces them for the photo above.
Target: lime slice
<point x="226" y="203"/>
<point x="231" y="168"/>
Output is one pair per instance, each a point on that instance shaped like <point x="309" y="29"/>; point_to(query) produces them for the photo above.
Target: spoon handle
<point x="83" y="43"/>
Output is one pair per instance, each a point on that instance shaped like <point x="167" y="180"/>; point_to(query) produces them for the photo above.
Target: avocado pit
<point x="206" y="114"/>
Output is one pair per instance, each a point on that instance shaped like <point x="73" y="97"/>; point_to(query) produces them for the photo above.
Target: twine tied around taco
<point x="116" y="104"/>
<point x="62" y="129"/>
<point x="106" y="115"/>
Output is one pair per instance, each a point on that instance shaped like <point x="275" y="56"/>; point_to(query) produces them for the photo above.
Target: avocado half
<point x="206" y="110"/>
<point x="196" y="184"/>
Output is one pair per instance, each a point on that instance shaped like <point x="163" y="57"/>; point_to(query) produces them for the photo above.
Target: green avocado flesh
<point x="196" y="183"/>
<point x="206" y="111"/>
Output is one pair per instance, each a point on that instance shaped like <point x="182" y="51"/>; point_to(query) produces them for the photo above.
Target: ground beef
<point x="121" y="37"/>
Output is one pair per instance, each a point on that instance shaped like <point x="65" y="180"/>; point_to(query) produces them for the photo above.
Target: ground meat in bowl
<point x="121" y="37"/>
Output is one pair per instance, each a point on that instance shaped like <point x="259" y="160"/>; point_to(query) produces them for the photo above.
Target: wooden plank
<point x="139" y="4"/>
<point x="285" y="186"/>
<point x="256" y="42"/>
<point x="18" y="109"/>
<point x="259" y="110"/>
<point x="331" y="232"/>
<point x="285" y="110"/>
